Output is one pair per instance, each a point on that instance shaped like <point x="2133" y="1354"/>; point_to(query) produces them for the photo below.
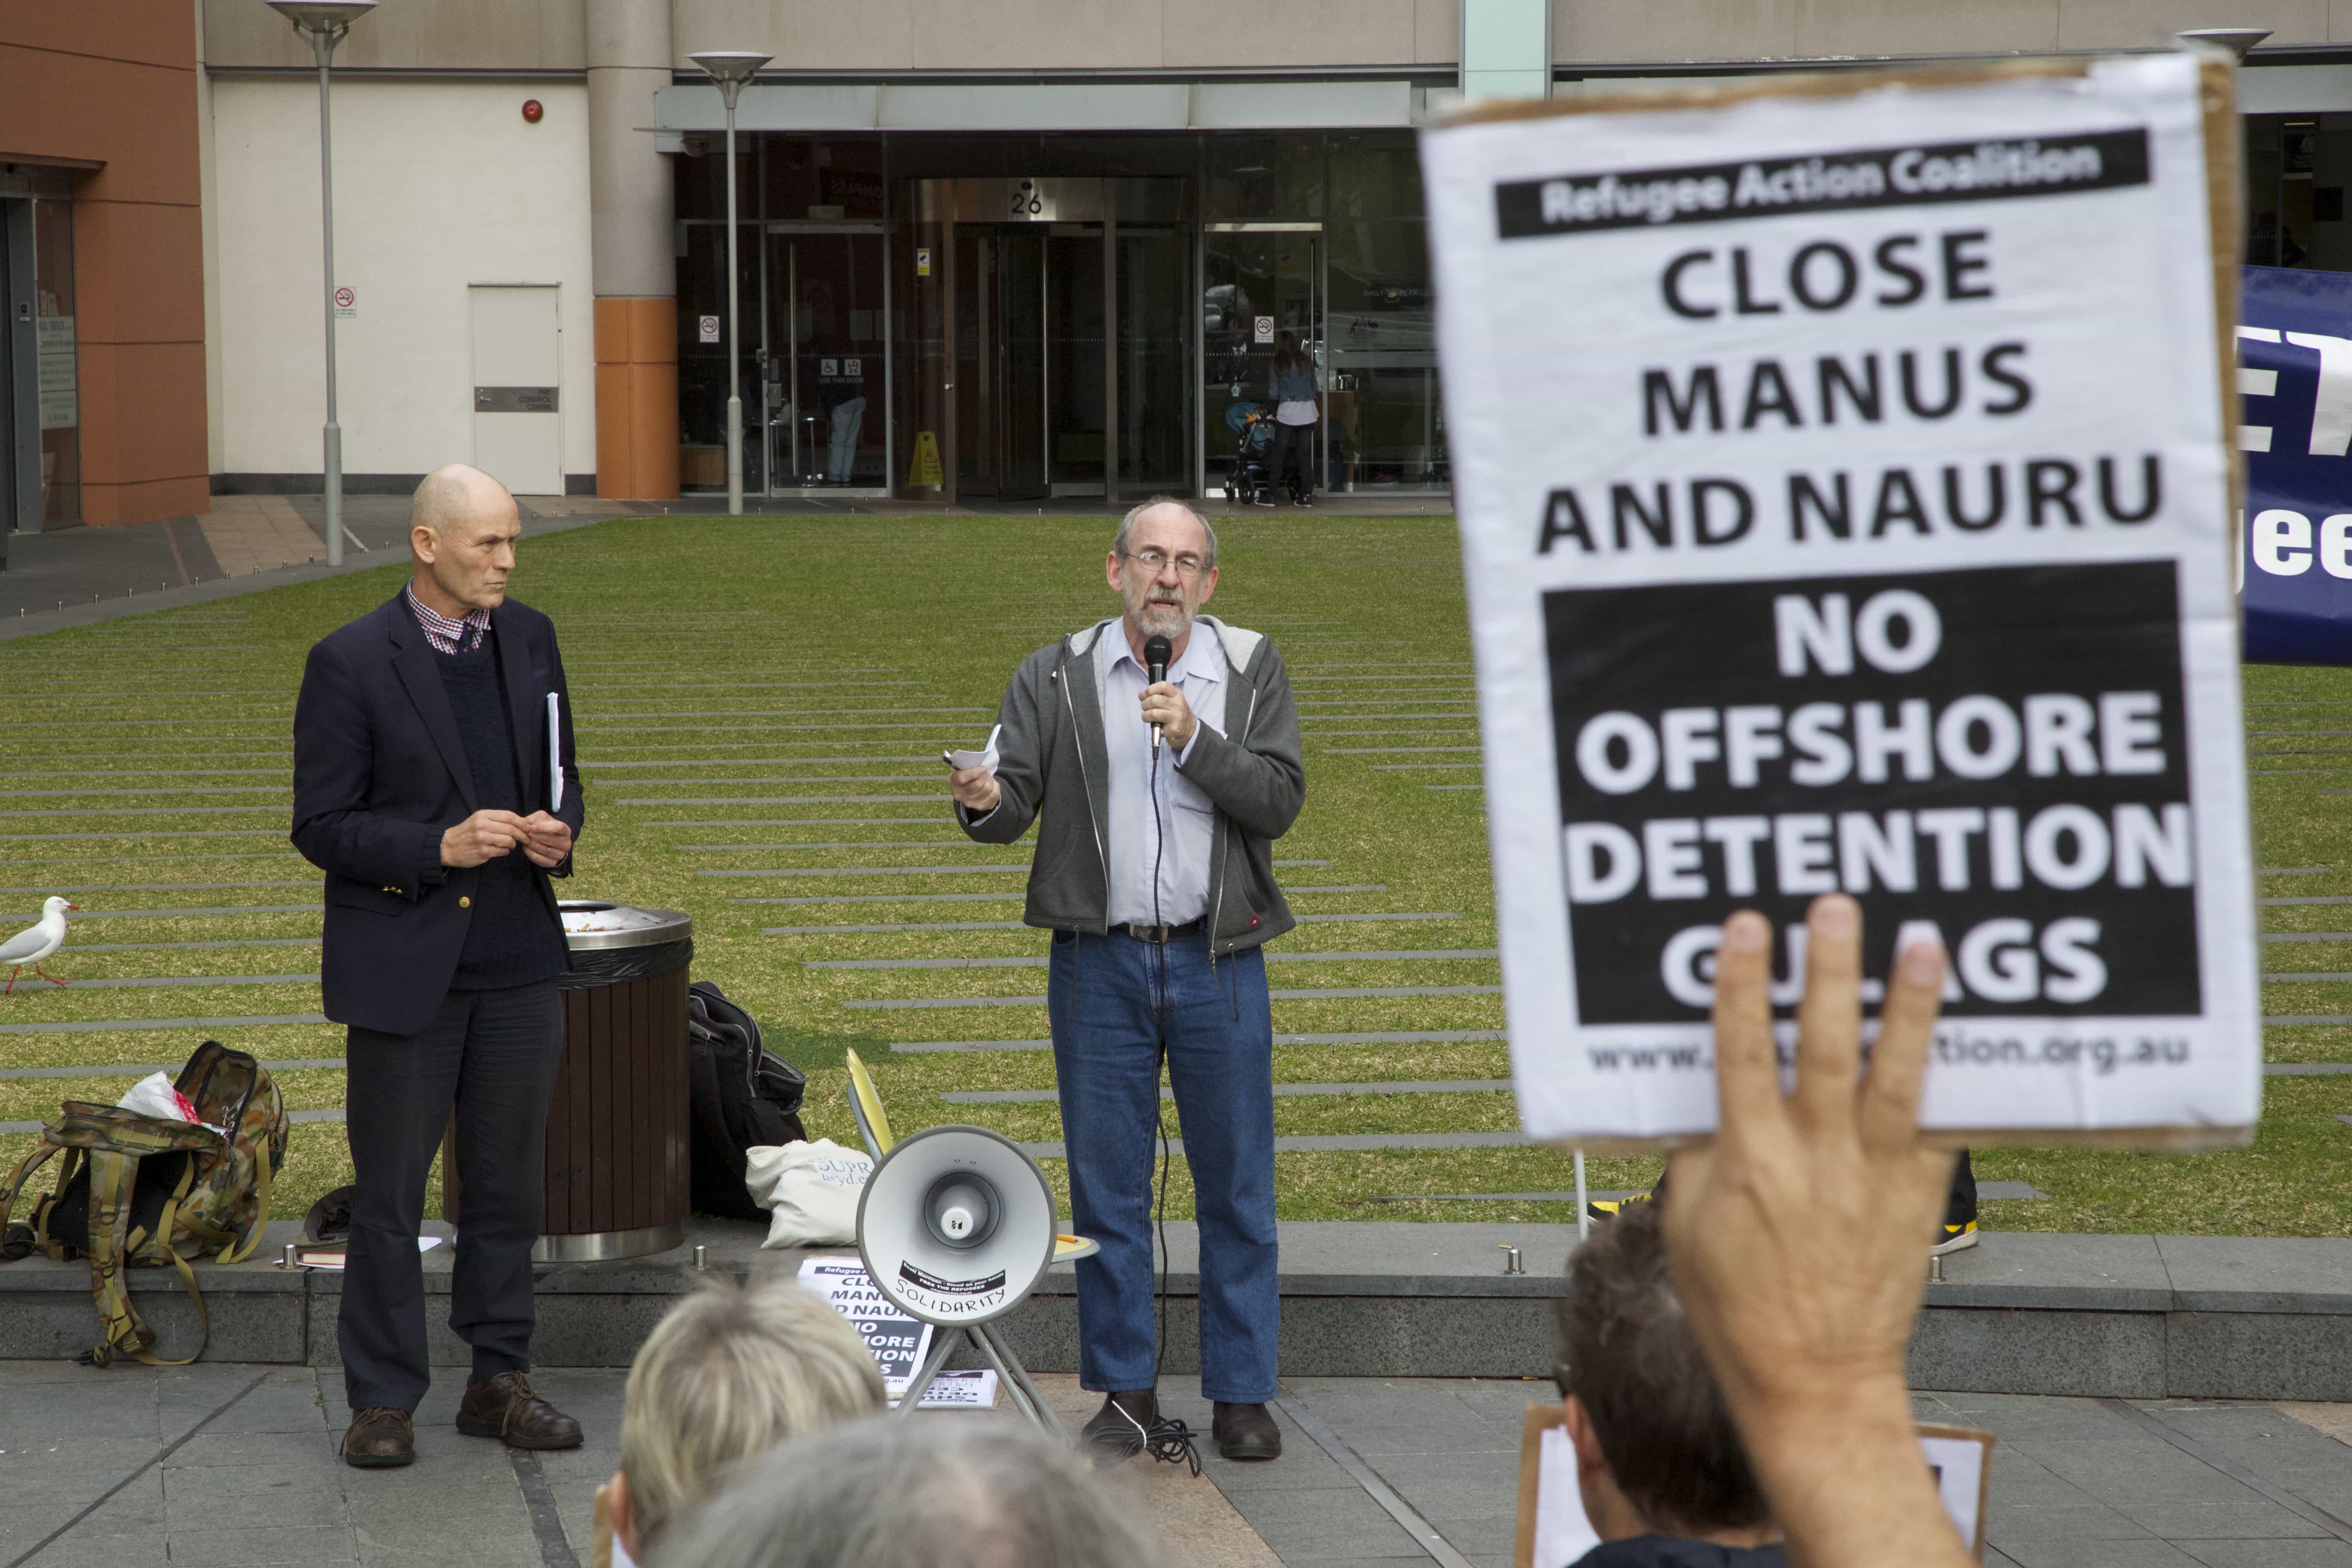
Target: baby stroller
<point x="1249" y="482"/>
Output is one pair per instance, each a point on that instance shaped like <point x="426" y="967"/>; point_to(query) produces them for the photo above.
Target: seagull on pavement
<point x="36" y="942"/>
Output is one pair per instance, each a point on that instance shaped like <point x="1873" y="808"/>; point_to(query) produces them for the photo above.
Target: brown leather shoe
<point x="379" y="1439"/>
<point x="507" y="1409"/>
<point x="1246" y="1432"/>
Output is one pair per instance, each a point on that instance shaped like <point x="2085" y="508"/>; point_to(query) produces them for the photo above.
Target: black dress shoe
<point x="1117" y="1431"/>
<point x="504" y="1407"/>
<point x="379" y="1439"/>
<point x="1246" y="1432"/>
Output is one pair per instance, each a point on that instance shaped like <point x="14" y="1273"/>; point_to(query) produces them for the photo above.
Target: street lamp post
<point x="324" y="23"/>
<point x="730" y="68"/>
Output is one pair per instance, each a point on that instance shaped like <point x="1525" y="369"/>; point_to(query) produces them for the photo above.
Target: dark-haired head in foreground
<point x="1664" y="1478"/>
<point x="926" y="1493"/>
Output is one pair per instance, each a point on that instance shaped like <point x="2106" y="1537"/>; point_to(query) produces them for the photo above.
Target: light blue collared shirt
<point x="1187" y="819"/>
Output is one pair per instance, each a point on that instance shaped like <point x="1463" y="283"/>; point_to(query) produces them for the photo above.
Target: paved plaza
<point x="233" y="1465"/>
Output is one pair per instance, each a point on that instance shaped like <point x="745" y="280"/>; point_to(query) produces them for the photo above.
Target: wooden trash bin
<point x="618" y="1156"/>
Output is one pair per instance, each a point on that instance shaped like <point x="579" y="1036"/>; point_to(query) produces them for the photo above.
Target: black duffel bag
<point x="744" y="1097"/>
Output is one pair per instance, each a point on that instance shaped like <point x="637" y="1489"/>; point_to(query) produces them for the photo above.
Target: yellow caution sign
<point x="925" y="469"/>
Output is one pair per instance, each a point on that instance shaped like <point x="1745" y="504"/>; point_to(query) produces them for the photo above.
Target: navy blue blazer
<point x="380" y="774"/>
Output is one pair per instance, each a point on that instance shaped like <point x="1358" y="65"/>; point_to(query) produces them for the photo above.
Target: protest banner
<point x="2295" y="353"/>
<point x="1845" y="504"/>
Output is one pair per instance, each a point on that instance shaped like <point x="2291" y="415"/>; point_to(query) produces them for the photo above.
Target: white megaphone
<point x="956" y="1227"/>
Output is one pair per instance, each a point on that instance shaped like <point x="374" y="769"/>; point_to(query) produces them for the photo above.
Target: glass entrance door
<point x="1154" y="344"/>
<point x="1046" y="342"/>
<point x="1077" y="412"/>
<point x="1032" y="405"/>
<point x="1260" y="282"/>
<point x="825" y="360"/>
<point x="999" y="365"/>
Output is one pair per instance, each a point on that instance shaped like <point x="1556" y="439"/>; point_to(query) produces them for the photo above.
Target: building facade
<point x="1030" y="249"/>
<point x="101" y="277"/>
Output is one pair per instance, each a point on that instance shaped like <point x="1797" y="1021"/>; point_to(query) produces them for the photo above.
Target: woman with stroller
<point x="1298" y="405"/>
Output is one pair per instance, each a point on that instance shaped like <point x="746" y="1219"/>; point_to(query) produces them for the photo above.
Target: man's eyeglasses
<point x="1155" y="562"/>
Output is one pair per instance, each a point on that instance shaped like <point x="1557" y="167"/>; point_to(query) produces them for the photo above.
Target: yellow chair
<point x="874" y="1127"/>
<point x="865" y="1107"/>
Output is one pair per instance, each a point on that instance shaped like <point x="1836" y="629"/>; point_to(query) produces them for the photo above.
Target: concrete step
<point x="2133" y="1317"/>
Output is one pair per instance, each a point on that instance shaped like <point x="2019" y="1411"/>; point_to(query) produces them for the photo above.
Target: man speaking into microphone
<point x="1163" y="749"/>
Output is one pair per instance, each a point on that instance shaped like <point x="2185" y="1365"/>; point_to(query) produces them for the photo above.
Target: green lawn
<point x="684" y="636"/>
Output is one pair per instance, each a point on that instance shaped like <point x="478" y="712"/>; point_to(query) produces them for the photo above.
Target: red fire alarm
<point x="531" y="110"/>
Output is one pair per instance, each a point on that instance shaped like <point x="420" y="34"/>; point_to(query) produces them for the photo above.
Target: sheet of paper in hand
<point x="1844" y="504"/>
<point x="964" y="757"/>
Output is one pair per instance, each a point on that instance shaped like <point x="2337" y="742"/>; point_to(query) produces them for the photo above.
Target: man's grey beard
<point x="1164" y="619"/>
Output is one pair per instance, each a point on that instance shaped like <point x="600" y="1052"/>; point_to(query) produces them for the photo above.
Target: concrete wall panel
<point x="122" y="443"/>
<point x="139" y="120"/>
<point x="147" y="32"/>
<point x="2150" y="24"/>
<point x="1032" y="34"/>
<point x="1436" y="31"/>
<point x="1675" y="30"/>
<point x="816" y="34"/>
<point x="127" y="299"/>
<point x="1826" y="28"/>
<point x="1325" y="32"/>
<point x="464" y="34"/>
<point x="437" y="185"/>
<point x="1074" y="35"/>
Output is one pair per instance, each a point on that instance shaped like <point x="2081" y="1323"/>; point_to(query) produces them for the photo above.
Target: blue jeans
<point x="1103" y="997"/>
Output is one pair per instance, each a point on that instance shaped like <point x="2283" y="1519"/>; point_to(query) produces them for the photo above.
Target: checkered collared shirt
<point x="443" y="633"/>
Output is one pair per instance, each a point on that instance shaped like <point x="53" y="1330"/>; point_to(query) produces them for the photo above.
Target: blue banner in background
<point x="2295" y="354"/>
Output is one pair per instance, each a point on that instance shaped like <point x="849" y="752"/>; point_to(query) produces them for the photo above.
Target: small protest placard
<point x="1845" y="504"/>
<point x="1555" y="1529"/>
<point x="897" y="1341"/>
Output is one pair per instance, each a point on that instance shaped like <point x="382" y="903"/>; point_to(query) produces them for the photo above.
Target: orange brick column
<point x="637" y="399"/>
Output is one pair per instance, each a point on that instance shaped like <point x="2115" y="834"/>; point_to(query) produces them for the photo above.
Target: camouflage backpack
<point x="138" y="1190"/>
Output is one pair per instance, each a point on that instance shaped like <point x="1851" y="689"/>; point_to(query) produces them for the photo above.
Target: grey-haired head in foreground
<point x="935" y="1493"/>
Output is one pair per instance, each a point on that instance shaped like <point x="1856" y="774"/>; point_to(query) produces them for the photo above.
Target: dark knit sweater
<point x="513" y="938"/>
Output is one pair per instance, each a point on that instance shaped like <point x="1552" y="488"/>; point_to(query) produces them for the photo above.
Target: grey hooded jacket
<point x="1051" y="758"/>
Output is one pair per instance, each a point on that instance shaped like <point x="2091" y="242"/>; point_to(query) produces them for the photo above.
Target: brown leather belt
<point x="1184" y="932"/>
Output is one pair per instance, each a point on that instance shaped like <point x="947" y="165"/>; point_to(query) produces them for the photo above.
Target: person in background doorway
<point x="1297" y="408"/>
<point x="841" y="392"/>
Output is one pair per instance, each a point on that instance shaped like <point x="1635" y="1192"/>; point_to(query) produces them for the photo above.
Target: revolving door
<point x="1048" y="347"/>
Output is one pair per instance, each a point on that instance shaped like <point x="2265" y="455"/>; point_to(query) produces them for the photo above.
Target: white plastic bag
<point x="155" y="1095"/>
<point x="810" y="1191"/>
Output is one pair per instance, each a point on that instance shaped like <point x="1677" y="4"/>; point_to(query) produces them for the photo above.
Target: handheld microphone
<point x="1155" y="665"/>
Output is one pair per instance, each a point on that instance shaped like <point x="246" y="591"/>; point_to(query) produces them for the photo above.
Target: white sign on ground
<point x="1844" y="505"/>
<point x="897" y="1343"/>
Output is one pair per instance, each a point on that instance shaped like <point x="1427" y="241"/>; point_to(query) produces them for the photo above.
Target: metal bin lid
<point x="591" y="923"/>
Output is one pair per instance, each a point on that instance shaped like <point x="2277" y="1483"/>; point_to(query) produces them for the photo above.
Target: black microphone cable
<point x="1168" y="1439"/>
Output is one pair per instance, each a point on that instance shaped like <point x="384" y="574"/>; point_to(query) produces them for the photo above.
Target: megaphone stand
<point x="1011" y="1375"/>
<point x="955" y="1228"/>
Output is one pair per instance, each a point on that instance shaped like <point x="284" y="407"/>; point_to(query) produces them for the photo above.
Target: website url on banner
<point x="1953" y="1047"/>
<point x="1834" y="182"/>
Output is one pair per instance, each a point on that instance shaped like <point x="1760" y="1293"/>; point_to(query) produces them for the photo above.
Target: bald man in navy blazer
<point x="423" y="789"/>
